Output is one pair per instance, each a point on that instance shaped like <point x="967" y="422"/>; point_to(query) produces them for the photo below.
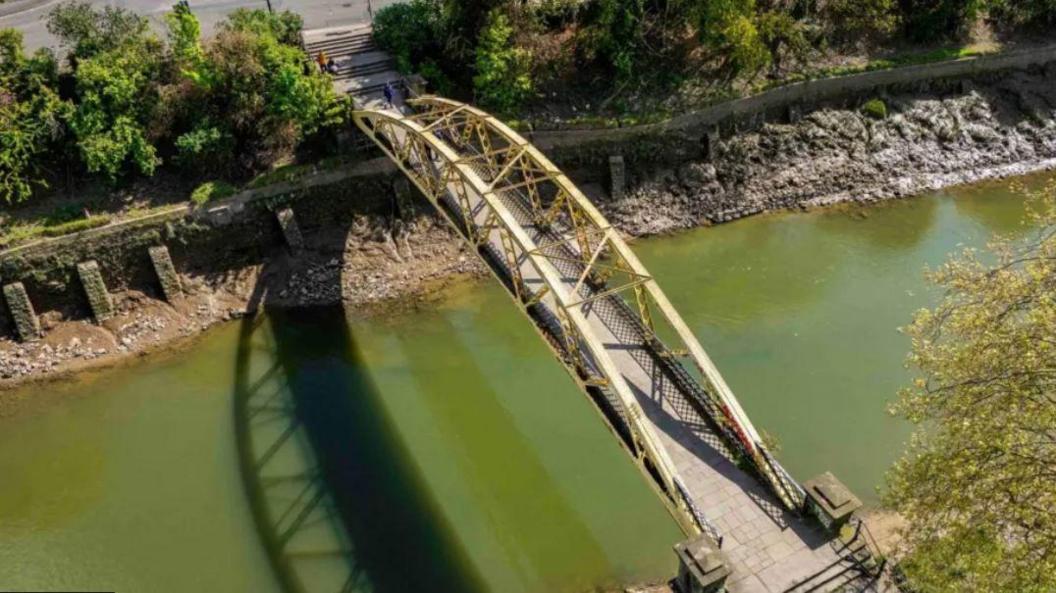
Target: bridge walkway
<point x="664" y="413"/>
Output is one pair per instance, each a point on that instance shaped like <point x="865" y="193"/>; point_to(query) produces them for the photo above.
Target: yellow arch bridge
<point x="609" y="323"/>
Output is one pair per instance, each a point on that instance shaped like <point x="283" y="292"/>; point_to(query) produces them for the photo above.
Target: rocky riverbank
<point x="1002" y="127"/>
<point x="993" y="129"/>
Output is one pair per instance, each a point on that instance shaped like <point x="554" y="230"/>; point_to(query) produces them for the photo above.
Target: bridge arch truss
<point x="572" y="273"/>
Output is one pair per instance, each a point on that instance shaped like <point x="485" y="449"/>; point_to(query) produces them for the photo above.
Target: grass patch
<point x="74" y="226"/>
<point x="211" y="190"/>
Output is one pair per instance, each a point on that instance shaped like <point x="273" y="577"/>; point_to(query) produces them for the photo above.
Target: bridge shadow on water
<point x="334" y="493"/>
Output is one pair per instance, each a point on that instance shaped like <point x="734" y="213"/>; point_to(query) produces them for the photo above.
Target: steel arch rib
<point x="418" y="136"/>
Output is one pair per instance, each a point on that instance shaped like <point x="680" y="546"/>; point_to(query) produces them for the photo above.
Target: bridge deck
<point x="767" y="548"/>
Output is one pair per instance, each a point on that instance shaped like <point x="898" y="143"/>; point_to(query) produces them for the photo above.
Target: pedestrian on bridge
<point x="390" y="93"/>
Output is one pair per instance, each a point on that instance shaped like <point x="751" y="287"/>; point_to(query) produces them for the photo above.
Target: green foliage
<point x="851" y="21"/>
<point x="184" y="33"/>
<point x="252" y="96"/>
<point x="875" y="108"/>
<point x="1034" y="14"/>
<point x="74" y="226"/>
<point x="503" y="79"/>
<point x="411" y="32"/>
<point x="87" y="31"/>
<point x="211" y="190"/>
<point x="729" y="27"/>
<point x="929" y="20"/>
<point x="284" y="27"/>
<point x="115" y="92"/>
<point x="976" y="484"/>
<point x="32" y="117"/>
<point x="783" y="37"/>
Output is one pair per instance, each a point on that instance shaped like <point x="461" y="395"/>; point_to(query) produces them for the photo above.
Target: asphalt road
<point x="29" y="15"/>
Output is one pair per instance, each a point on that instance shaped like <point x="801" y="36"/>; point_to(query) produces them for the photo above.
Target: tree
<point x="977" y="482"/>
<point x="87" y="31"/>
<point x="251" y="96"/>
<point x="32" y="118"/>
<point x="853" y="21"/>
<point x="503" y="80"/>
<point x="730" y="28"/>
<point x="1035" y="14"/>
<point x="929" y="20"/>
<point x="116" y="92"/>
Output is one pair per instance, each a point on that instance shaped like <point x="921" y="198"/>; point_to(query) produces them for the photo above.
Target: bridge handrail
<point x="705" y="524"/>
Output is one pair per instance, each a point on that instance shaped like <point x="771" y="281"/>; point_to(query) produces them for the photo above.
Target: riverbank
<point x="374" y="259"/>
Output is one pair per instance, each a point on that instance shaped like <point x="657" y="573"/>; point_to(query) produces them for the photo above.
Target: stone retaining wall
<point x="243" y="230"/>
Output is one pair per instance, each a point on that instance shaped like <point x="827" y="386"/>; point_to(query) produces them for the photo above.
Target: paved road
<point x="29" y="15"/>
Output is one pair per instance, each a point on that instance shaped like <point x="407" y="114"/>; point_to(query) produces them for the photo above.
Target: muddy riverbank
<point x="999" y="127"/>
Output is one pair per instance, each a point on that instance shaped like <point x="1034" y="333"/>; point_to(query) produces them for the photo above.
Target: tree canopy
<point x="977" y="483"/>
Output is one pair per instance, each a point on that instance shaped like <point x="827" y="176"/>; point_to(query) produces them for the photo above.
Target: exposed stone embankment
<point x="994" y="129"/>
<point x="369" y="245"/>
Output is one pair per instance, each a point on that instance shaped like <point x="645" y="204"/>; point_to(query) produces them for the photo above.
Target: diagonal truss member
<point x="558" y="257"/>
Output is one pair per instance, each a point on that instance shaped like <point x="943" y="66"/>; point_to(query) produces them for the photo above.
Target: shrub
<point x="88" y="31"/>
<point x="851" y="21"/>
<point x="928" y="20"/>
<point x="211" y="190"/>
<point x="503" y="79"/>
<point x="75" y="226"/>
<point x="410" y="31"/>
<point x="875" y="108"/>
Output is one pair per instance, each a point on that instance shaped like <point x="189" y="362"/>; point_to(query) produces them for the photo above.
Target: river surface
<point x="454" y="454"/>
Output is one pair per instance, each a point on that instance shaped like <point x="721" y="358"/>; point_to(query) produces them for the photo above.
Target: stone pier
<point x="711" y="143"/>
<point x="617" y="176"/>
<point x="166" y="272"/>
<point x="18" y="304"/>
<point x="290" y="231"/>
<point x="95" y="289"/>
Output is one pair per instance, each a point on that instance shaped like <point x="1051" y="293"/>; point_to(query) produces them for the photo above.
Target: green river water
<point x="459" y="455"/>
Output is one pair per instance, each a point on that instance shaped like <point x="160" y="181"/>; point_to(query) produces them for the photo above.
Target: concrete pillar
<point x="793" y="113"/>
<point x="290" y="231"/>
<point x="95" y="289"/>
<point x="711" y="143"/>
<point x="617" y="176"/>
<point x="701" y="568"/>
<point x="26" y="323"/>
<point x="166" y="272"/>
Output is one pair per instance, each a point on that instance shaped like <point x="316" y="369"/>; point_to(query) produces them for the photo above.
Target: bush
<point x="503" y="79"/>
<point x="410" y="31"/>
<point x="851" y="21"/>
<point x="211" y="190"/>
<point x="875" y="108"/>
<point x="929" y="20"/>
<point x="75" y="226"/>
<point x="1038" y="14"/>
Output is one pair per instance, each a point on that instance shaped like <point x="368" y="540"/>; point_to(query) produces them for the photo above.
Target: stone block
<point x="18" y="304"/>
<point x="95" y="289"/>
<point x="830" y="501"/>
<point x="793" y="113"/>
<point x="617" y="176"/>
<point x="290" y="231"/>
<point x="166" y="272"/>
<point x="711" y="143"/>
<point x="701" y="567"/>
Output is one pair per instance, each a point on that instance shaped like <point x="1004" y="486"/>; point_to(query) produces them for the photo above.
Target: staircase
<point x="860" y="569"/>
<point x="362" y="68"/>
